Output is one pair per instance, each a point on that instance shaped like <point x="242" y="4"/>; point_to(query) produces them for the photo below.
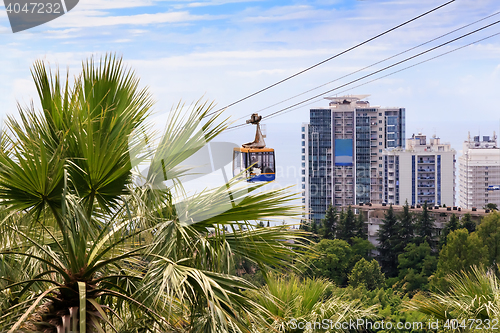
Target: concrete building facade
<point x="479" y="172"/>
<point x="374" y="216"/>
<point x="423" y="172"/>
<point x="342" y="146"/>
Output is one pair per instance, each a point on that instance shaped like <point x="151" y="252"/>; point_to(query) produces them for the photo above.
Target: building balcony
<point x="428" y="201"/>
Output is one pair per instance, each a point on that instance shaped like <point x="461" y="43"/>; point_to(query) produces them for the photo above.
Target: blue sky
<point x="222" y="50"/>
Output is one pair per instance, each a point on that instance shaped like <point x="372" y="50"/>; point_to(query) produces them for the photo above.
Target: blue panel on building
<point x="343" y="152"/>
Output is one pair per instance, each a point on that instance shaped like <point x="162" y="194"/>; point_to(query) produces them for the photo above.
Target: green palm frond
<point x="82" y="246"/>
<point x="473" y="295"/>
<point x="290" y="299"/>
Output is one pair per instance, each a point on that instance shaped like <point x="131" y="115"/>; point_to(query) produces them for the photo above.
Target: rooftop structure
<point x="479" y="172"/>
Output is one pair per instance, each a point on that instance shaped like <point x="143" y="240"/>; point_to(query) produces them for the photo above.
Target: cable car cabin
<point x="253" y="158"/>
<point x="258" y="163"/>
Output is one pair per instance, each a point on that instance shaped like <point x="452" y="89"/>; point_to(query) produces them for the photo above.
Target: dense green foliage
<point x="367" y="273"/>
<point x="416" y="265"/>
<point x="421" y="269"/>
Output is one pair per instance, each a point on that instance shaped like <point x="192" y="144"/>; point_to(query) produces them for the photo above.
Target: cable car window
<point x="237" y="160"/>
<point x="256" y="160"/>
<point x="270" y="164"/>
<point x="245" y="162"/>
<point x="267" y="168"/>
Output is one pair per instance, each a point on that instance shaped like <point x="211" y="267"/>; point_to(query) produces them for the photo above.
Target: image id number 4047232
<point x="471" y="324"/>
<point x="35" y="8"/>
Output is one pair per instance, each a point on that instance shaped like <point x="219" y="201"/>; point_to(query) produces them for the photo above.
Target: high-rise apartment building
<point x="342" y="145"/>
<point x="423" y="172"/>
<point x="479" y="172"/>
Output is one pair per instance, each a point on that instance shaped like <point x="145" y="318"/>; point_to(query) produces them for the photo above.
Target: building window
<point x="380" y="114"/>
<point x="380" y="158"/>
<point x="380" y="165"/>
<point x="380" y="136"/>
<point x="380" y="129"/>
<point x="380" y="121"/>
<point x="303" y="150"/>
<point x="303" y="136"/>
<point x="303" y="129"/>
<point x="303" y="158"/>
<point x="380" y="143"/>
<point x="303" y="143"/>
<point x="380" y="150"/>
<point x="485" y="179"/>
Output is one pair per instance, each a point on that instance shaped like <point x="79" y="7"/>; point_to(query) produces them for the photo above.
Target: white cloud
<point x="211" y="3"/>
<point x="112" y="4"/>
<point x="267" y="72"/>
<point x="89" y="19"/>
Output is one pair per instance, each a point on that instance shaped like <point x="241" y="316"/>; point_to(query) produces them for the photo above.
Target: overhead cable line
<point x="376" y="63"/>
<point x="395" y="72"/>
<point x="328" y="59"/>
<point x="378" y="71"/>
<point x="369" y="66"/>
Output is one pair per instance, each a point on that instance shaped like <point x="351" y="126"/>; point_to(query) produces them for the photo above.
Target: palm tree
<point x="473" y="295"/>
<point x="294" y="302"/>
<point x="84" y="248"/>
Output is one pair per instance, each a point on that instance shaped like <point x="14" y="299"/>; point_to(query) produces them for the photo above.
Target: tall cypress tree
<point x="303" y="226"/>
<point x="452" y="225"/>
<point x="314" y="231"/>
<point x="330" y="221"/>
<point x="425" y="227"/>
<point x="387" y="237"/>
<point x="406" y="229"/>
<point x="360" y="227"/>
<point x="347" y="226"/>
<point x="467" y="223"/>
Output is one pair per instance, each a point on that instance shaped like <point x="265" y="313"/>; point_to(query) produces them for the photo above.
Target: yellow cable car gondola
<point x="253" y="159"/>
